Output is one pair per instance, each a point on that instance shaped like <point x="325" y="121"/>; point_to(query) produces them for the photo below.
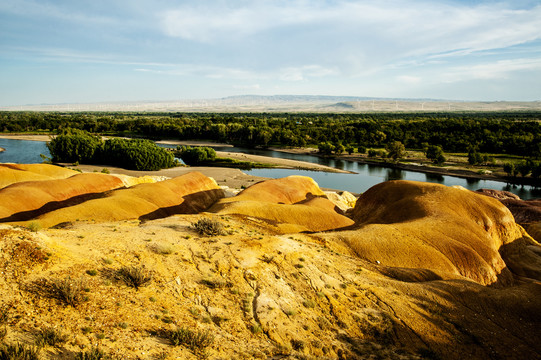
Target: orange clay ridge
<point x="282" y="270"/>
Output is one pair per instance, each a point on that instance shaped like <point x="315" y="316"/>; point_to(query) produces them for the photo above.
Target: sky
<point x="87" y="51"/>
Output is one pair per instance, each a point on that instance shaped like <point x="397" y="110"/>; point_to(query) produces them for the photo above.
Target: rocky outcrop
<point x="189" y="193"/>
<point x="291" y="204"/>
<point x="449" y="231"/>
<point x="526" y="212"/>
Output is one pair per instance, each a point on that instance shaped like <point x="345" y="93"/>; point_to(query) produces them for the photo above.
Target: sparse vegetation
<point x="92" y="272"/>
<point x="34" y="226"/>
<point x="18" y="352"/>
<point x="134" y="276"/>
<point x="4" y="317"/>
<point x="67" y="290"/>
<point x="195" y="340"/>
<point x="50" y="336"/>
<point x="208" y="227"/>
<point x="92" y="354"/>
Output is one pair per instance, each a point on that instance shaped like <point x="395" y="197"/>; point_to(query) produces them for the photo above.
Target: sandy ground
<point x="232" y="178"/>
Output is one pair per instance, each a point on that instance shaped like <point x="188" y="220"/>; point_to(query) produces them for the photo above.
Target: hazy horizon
<point x="64" y="52"/>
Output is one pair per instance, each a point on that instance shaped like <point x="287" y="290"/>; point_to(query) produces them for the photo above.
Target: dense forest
<point x="506" y="133"/>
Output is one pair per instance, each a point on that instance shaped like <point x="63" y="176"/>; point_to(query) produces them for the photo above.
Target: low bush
<point x="51" y="337"/>
<point x="197" y="341"/>
<point x="92" y="354"/>
<point x="18" y="352"/>
<point x="134" y="276"/>
<point x="208" y="227"/>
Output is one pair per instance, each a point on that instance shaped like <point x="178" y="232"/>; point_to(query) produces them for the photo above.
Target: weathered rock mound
<point x="24" y="200"/>
<point x="526" y="212"/>
<point x="189" y="193"/>
<point x="14" y="173"/>
<point x="452" y="232"/>
<point x="292" y="204"/>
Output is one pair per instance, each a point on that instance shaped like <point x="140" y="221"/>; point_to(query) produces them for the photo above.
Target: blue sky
<point x="83" y="51"/>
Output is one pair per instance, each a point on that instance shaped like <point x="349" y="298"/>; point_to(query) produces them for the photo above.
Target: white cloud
<point x="501" y="69"/>
<point x="375" y="30"/>
<point x="408" y="79"/>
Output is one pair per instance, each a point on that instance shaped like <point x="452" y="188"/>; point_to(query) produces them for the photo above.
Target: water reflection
<point x="373" y="170"/>
<point x="437" y="178"/>
<point x="394" y="174"/>
<point x="472" y="181"/>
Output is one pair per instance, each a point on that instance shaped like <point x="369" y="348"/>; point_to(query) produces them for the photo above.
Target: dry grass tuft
<point x="19" y="352"/>
<point x="92" y="354"/>
<point x="134" y="276"/>
<point x="51" y="337"/>
<point x="208" y="227"/>
<point x="67" y="290"/>
<point x="197" y="341"/>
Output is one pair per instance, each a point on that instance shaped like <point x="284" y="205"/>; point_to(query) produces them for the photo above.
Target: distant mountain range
<point x="291" y="103"/>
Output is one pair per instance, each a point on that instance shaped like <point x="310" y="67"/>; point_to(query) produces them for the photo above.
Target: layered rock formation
<point x="451" y="232"/>
<point x="190" y="193"/>
<point x="29" y="199"/>
<point x="14" y="173"/>
<point x="291" y="204"/>
<point x="526" y="212"/>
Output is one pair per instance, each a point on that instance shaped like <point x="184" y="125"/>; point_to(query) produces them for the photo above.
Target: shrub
<point x="197" y="341"/>
<point x="34" y="226"/>
<point x="134" y="276"/>
<point x="51" y="337"/>
<point x="18" y="352"/>
<point x="92" y="272"/>
<point x="92" y="354"/>
<point x="67" y="290"/>
<point x="208" y="227"/>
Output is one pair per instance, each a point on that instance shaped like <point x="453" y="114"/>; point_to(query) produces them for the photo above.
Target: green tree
<point x="350" y="149"/>
<point x="509" y="168"/>
<point x="338" y="148"/>
<point x="435" y="153"/>
<point x="396" y="150"/>
<point x="524" y="168"/>
<point x="74" y="145"/>
<point x="197" y="155"/>
<point x="325" y="148"/>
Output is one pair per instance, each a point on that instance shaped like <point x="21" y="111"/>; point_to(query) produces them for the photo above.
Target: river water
<point x="22" y="151"/>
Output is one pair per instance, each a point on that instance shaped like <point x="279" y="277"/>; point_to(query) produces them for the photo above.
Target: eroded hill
<point x="418" y="271"/>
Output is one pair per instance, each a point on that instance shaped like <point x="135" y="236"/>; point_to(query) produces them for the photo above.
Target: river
<point x="23" y="151"/>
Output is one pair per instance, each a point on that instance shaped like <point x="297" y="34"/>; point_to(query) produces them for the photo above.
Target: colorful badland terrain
<point x="282" y="270"/>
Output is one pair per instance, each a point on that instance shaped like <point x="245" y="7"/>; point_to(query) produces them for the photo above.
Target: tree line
<point x="507" y="132"/>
